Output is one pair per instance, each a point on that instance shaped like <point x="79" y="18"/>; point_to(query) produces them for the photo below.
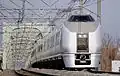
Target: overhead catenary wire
<point x="29" y="3"/>
<point x="85" y="1"/>
<point x="45" y="3"/>
<point x="34" y="13"/>
<point x="4" y="16"/>
<point x="21" y="10"/>
<point x="14" y="3"/>
<point x="32" y="10"/>
<point x="22" y="16"/>
<point x="54" y="2"/>
<point x="5" y="9"/>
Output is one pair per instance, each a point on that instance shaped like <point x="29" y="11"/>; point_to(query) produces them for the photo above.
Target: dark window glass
<point x="33" y="53"/>
<point x="40" y="48"/>
<point x="81" y="18"/>
<point x="48" y="44"/>
<point x="52" y="41"/>
<point x="45" y="45"/>
<point x="58" y="38"/>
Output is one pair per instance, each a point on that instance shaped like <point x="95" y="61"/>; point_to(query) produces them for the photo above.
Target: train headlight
<point x="79" y="36"/>
<point x="85" y="36"/>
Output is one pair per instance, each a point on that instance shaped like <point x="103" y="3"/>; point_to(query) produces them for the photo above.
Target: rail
<point x="100" y="72"/>
<point x="25" y="72"/>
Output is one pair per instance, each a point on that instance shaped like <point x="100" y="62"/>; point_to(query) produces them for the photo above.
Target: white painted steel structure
<point x="18" y="41"/>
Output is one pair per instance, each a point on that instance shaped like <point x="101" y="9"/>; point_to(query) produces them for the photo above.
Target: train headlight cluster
<point x="82" y="35"/>
<point x="82" y="42"/>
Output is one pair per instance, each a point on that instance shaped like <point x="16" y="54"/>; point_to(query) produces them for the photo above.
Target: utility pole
<point x="23" y="10"/>
<point x="21" y="13"/>
<point x="99" y="11"/>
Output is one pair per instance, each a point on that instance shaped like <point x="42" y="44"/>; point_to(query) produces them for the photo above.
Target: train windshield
<point x="81" y="18"/>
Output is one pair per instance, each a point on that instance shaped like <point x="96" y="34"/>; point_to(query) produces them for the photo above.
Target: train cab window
<point x="81" y="18"/>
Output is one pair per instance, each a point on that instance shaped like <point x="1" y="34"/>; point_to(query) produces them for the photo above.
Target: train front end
<point x="84" y="42"/>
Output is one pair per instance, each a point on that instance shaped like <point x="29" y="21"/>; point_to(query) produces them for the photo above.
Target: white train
<point x="75" y="44"/>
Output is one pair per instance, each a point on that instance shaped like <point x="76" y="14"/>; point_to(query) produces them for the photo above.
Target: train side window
<point x="40" y="47"/>
<point x="45" y="45"/>
<point x="48" y="44"/>
<point x="52" y="41"/>
<point x="57" y="38"/>
<point x="33" y="53"/>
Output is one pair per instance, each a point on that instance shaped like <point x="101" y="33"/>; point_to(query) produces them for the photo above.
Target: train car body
<point x="77" y="42"/>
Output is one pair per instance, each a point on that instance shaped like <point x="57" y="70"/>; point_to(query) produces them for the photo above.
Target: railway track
<point x="102" y="72"/>
<point x="24" y="72"/>
<point x="53" y="72"/>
